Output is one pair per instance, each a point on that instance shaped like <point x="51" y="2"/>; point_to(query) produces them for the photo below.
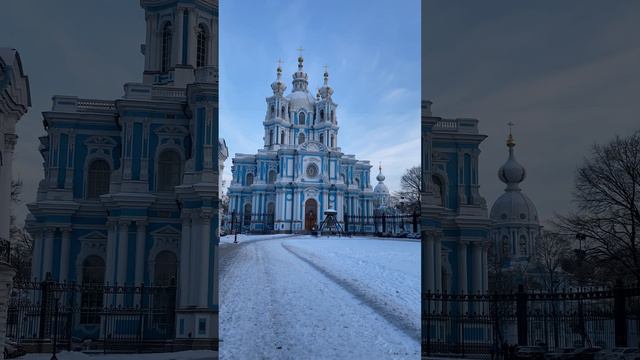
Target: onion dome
<point x="300" y="78"/>
<point x="326" y="91"/>
<point x="380" y="188"/>
<point x="513" y="205"/>
<point x="511" y="173"/>
<point x="278" y="86"/>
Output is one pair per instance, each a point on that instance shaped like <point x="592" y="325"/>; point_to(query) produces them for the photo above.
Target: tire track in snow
<point x="375" y="303"/>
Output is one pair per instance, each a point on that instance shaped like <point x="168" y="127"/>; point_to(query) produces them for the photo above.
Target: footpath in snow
<point x="319" y="298"/>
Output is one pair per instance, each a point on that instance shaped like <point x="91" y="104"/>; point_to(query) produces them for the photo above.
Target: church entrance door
<point x="310" y="214"/>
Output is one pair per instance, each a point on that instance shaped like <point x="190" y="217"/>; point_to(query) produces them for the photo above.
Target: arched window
<point x="249" y="179"/>
<point x="98" y="179"/>
<point x="282" y="137"/>
<point x="357" y="183"/>
<point x="301" y="138"/>
<point x="301" y="118"/>
<point x="332" y="141"/>
<point x="167" y="35"/>
<point x="201" y="53"/>
<point x="439" y="190"/>
<point x="169" y="170"/>
<point x="271" y="178"/>
<point x="247" y="214"/>
<point x="282" y="112"/>
<point x="333" y="116"/>
<point x="270" y="137"/>
<point x="272" y="110"/>
<point x="322" y="138"/>
<point x="321" y="114"/>
<point x="93" y="268"/>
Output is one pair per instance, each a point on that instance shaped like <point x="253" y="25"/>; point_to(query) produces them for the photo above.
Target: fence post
<point x="415" y="221"/>
<point x="521" y="314"/>
<point x="140" y="317"/>
<point x="619" y="310"/>
<point x="384" y="223"/>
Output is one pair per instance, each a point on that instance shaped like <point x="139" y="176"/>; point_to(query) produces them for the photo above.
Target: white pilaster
<point x="111" y="251"/>
<point x="64" y="254"/>
<point x="462" y="272"/>
<point x="437" y="255"/>
<point x="47" y="256"/>
<point x="185" y="248"/>
<point x="205" y="242"/>
<point x="141" y="236"/>
<point x="428" y="259"/>
<point x="123" y="241"/>
<point x="476" y="267"/>
<point x="194" y="257"/>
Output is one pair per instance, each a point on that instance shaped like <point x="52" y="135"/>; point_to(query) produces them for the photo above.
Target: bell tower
<point x="182" y="35"/>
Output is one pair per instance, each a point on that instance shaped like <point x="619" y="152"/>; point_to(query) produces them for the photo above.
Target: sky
<point x="566" y="73"/>
<point x="91" y="49"/>
<point x="372" y="51"/>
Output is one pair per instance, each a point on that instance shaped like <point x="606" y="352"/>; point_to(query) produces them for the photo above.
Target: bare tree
<point x="607" y="198"/>
<point x="21" y="241"/>
<point x="552" y="251"/>
<point x="410" y="184"/>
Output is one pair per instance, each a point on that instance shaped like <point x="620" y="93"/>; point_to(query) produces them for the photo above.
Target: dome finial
<point x="300" y="58"/>
<point x="380" y="177"/>
<point x="510" y="141"/>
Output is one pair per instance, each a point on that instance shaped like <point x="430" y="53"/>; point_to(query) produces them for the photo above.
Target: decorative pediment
<point x="94" y="242"/>
<point x="438" y="156"/>
<point x="171" y="131"/>
<point x="166" y="231"/>
<point x="313" y="146"/>
<point x="100" y="142"/>
<point x="311" y="192"/>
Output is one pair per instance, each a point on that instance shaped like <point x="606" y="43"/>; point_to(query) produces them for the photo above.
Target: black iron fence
<point x="108" y="318"/>
<point x="379" y="224"/>
<point x="482" y="325"/>
<point x="5" y="250"/>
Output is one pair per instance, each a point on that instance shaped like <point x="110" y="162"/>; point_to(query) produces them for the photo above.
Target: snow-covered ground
<point x="303" y="297"/>
<point x="182" y="355"/>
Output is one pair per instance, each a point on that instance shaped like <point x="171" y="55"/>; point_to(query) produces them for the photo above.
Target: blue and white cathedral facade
<point x="130" y="188"/>
<point x="301" y="171"/>
<point x="454" y="225"/>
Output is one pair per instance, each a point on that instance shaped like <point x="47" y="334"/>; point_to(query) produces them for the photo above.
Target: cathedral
<point x="301" y="171"/>
<point x="454" y="223"/>
<point x="130" y="188"/>
<point x="516" y="229"/>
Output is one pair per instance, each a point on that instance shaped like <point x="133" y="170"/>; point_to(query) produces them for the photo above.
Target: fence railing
<point x="111" y="318"/>
<point x="461" y="324"/>
<point x="380" y="224"/>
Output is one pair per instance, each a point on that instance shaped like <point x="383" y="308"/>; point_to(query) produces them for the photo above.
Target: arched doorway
<point x="310" y="214"/>
<point x="271" y="211"/>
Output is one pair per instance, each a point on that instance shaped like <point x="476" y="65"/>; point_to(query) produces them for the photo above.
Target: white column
<point x="36" y="270"/>
<point x="123" y="242"/>
<point x="485" y="268"/>
<point x="185" y="248"/>
<point x="205" y="242"/>
<point x="194" y="269"/>
<point x="462" y="272"/>
<point x="64" y="254"/>
<point x="47" y="255"/>
<point x="427" y="248"/>
<point x="111" y="251"/>
<point x="476" y="267"/>
<point x="438" y="263"/>
<point x="141" y="237"/>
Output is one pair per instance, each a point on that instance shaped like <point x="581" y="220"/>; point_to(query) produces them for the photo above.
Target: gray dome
<point x="381" y="188"/>
<point x="514" y="206"/>
<point x="301" y="99"/>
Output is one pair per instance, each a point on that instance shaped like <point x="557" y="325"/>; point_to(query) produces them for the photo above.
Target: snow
<point x="304" y="297"/>
<point x="181" y="355"/>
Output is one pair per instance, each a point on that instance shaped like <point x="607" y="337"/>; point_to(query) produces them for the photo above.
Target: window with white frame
<point x="169" y="170"/>
<point x="98" y="177"/>
<point x="167" y="34"/>
<point x="201" y="51"/>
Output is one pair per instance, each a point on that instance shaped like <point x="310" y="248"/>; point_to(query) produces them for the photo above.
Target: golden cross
<point x="280" y="62"/>
<point x="326" y="68"/>
<point x="300" y="49"/>
<point x="510" y="125"/>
